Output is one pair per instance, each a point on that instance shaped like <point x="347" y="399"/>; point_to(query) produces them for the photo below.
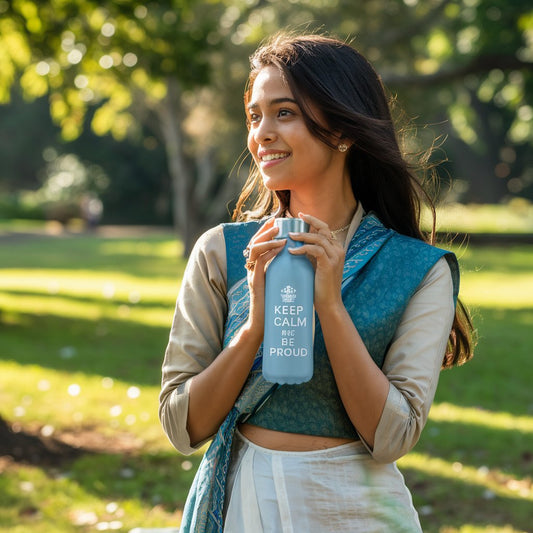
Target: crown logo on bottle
<point x="288" y="294"/>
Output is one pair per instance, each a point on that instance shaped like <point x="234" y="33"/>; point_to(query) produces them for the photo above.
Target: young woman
<point x="319" y="456"/>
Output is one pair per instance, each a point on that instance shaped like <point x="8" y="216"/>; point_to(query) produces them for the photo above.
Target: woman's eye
<point x="284" y="112"/>
<point x="254" y="117"/>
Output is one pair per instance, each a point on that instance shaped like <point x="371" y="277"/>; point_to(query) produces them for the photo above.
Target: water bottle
<point x="289" y="311"/>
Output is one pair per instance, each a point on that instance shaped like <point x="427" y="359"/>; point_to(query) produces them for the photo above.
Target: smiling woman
<point x="320" y="455"/>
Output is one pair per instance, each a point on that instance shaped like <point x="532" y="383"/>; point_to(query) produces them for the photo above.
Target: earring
<point x="342" y="147"/>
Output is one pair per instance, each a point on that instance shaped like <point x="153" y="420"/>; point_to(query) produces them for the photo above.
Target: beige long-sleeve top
<point x="412" y="364"/>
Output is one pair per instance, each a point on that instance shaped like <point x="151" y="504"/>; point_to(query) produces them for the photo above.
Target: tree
<point x="139" y="65"/>
<point x="464" y="66"/>
<point x="175" y="68"/>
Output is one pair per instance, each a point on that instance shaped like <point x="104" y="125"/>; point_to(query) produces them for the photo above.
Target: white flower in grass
<point x="67" y="352"/>
<point x="186" y="465"/>
<point x="47" y="430"/>
<point x="116" y="410"/>
<point x="111" y="507"/>
<point x="43" y="385"/>
<point x="108" y="290"/>
<point x="107" y="383"/>
<point x="134" y="297"/>
<point x="74" y="389"/>
<point x="26" y="486"/>
<point x="134" y="392"/>
<point x="83" y="518"/>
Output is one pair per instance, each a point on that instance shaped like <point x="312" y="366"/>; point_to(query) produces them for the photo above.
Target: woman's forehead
<point x="267" y="81"/>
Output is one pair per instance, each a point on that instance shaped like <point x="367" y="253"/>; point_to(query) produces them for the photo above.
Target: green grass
<point x="84" y="322"/>
<point x="472" y="469"/>
<point x="515" y="217"/>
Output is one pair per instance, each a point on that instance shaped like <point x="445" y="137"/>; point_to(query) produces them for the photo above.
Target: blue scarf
<point x="203" y="512"/>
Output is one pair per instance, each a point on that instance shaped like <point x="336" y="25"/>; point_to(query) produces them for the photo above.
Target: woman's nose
<point x="264" y="131"/>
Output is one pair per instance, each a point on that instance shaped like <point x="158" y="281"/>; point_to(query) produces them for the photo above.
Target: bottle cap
<point x="286" y="225"/>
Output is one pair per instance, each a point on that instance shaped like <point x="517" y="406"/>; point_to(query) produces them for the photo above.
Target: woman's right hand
<point x="212" y="392"/>
<point x="262" y="248"/>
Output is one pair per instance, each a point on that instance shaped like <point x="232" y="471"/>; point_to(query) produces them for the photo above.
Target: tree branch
<point x="396" y="34"/>
<point x="477" y="65"/>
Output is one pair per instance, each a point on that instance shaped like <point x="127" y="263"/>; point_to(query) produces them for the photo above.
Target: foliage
<point x="170" y="70"/>
<point x="131" y="63"/>
<point x="138" y="185"/>
<point x="84" y="323"/>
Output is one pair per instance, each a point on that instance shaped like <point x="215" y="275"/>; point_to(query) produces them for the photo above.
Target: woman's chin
<point x="273" y="184"/>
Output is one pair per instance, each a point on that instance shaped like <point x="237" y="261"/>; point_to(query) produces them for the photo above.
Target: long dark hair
<point x="348" y="93"/>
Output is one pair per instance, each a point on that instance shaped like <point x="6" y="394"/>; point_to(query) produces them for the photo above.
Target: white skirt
<point x="339" y="489"/>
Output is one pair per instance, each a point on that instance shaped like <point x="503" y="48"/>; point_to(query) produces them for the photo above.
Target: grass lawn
<point x="84" y="322"/>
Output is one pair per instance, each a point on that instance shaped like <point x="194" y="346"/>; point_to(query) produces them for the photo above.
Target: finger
<point x="314" y="222"/>
<point x="328" y="242"/>
<point x="260" y="263"/>
<point x="315" y="253"/>
<point x="263" y="247"/>
<point x="265" y="233"/>
<point x="258" y="251"/>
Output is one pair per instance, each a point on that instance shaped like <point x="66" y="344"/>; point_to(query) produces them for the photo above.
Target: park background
<point x="122" y="138"/>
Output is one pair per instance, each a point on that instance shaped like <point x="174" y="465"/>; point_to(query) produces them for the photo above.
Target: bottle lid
<point x="286" y="225"/>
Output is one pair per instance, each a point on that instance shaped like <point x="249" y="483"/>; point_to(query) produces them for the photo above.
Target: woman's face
<point x="288" y="156"/>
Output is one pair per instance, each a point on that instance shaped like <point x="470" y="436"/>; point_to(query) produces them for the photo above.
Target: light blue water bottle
<point x="289" y="311"/>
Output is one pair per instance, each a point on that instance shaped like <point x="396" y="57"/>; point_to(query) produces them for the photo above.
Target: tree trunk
<point x="170" y="118"/>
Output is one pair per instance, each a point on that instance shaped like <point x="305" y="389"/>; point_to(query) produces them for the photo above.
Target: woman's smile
<point x="269" y="158"/>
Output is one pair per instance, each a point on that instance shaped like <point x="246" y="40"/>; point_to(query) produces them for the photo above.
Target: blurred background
<point x="122" y="138"/>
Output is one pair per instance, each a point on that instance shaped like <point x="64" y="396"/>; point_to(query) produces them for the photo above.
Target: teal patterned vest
<point x="382" y="270"/>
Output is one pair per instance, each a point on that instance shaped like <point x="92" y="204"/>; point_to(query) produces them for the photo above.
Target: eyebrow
<point x="282" y="100"/>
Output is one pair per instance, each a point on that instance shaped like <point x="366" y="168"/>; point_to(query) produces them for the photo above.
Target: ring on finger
<point x="246" y="252"/>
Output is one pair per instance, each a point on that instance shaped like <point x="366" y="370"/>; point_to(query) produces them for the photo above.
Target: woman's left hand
<point x="327" y="256"/>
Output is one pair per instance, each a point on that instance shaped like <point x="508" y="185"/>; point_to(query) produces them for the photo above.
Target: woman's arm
<point x="389" y="407"/>
<point x="399" y="396"/>
<point x="201" y="381"/>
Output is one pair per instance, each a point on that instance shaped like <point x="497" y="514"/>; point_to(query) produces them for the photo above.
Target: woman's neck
<point x="336" y="214"/>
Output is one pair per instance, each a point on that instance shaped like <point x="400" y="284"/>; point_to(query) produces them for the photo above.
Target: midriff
<point x="288" y="442"/>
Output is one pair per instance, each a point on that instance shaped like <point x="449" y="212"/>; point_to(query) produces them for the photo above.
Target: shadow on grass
<point x="164" y="479"/>
<point x="499" y="376"/>
<point x="106" y="346"/>
<point x="444" y="502"/>
<point x="152" y="480"/>
<point x="506" y="449"/>
<point x="488" y="259"/>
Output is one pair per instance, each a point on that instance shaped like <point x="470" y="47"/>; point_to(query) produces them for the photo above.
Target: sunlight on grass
<point x="59" y="401"/>
<point x="99" y="309"/>
<point x="101" y="285"/>
<point x="85" y="322"/>
<point x="475" y="218"/>
<point x="89" y="295"/>
<point x="446" y="412"/>
<point x="490" y="479"/>
<point x="170" y="249"/>
<point x="498" y="290"/>
<point x="470" y="528"/>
